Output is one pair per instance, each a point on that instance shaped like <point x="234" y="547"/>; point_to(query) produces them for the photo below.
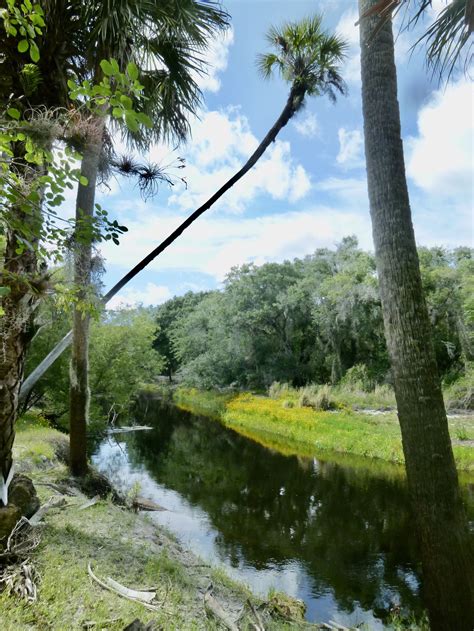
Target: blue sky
<point x="309" y="190"/>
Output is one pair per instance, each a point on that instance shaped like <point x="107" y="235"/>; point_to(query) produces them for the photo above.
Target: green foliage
<point x="357" y="377"/>
<point x="167" y="318"/>
<point x="118" y="93"/>
<point x="24" y="22"/>
<point x="315" y="320"/>
<point x="121" y="358"/>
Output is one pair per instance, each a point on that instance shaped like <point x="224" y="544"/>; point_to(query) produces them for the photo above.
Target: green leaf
<point x="132" y="71"/>
<point x="131" y="121"/>
<point x="144" y="119"/>
<point x="126" y="101"/>
<point x="23" y="45"/>
<point x="117" y="112"/>
<point x="83" y="181"/>
<point x="115" y="66"/>
<point x="13" y="112"/>
<point x="4" y="291"/>
<point x="34" y="52"/>
<point x="107" y="68"/>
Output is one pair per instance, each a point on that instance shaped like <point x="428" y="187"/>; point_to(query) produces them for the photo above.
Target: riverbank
<point x="279" y="423"/>
<point x="119" y="543"/>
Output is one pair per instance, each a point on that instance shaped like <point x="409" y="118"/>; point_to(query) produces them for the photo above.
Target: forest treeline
<point x="310" y="320"/>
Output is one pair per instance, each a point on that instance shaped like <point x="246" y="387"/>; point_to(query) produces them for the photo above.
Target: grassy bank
<point x="279" y="423"/>
<point x="119" y="543"/>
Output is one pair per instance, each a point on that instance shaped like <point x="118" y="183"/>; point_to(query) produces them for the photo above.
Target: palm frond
<point x="448" y="38"/>
<point x="267" y="63"/>
<point x="307" y="56"/>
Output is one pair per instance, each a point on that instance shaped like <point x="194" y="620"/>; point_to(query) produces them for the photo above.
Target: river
<point x="337" y="537"/>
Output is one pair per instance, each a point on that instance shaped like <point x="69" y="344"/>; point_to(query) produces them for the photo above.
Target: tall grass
<point x="344" y="395"/>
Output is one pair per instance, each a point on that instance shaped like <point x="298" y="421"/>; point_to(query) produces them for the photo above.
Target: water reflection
<point x="340" y="539"/>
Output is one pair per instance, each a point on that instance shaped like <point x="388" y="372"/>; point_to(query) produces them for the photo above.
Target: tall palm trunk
<point x="431" y="473"/>
<point x="79" y="367"/>
<point x="291" y="107"/>
<point x="19" y="274"/>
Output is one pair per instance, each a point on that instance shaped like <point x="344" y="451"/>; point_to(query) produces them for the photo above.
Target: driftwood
<point x="145" y="598"/>
<point x="212" y="606"/>
<point x="53" y="502"/>
<point x="338" y="626"/>
<point x="125" y="430"/>
<point x="90" y="503"/>
<point x="142" y="503"/>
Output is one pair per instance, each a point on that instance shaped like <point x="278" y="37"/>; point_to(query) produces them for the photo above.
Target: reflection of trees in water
<point x="350" y="530"/>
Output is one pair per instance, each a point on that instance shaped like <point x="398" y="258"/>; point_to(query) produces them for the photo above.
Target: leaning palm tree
<point x="309" y="59"/>
<point x="164" y="41"/>
<point x="446" y="548"/>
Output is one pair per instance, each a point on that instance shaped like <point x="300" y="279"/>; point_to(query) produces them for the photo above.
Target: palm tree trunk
<point x="431" y="473"/>
<point x="79" y="368"/>
<point x="288" y="111"/>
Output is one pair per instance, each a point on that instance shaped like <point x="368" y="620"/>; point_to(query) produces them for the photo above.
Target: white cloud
<point x="351" y="144"/>
<point x="151" y="295"/>
<point x="440" y="158"/>
<point x="214" y="243"/>
<point x="221" y="143"/>
<point x="350" y="33"/>
<point x="308" y="125"/>
<point x="215" y="61"/>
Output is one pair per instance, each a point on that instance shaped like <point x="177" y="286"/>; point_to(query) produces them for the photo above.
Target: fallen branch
<point x="125" y="430"/>
<point x="90" y="503"/>
<point x="144" y="598"/>
<point x="211" y="604"/>
<point x="142" y="503"/>
<point x="53" y="502"/>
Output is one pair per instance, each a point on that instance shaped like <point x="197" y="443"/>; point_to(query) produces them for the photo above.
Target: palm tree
<point x="309" y="59"/>
<point x="164" y="41"/>
<point x="431" y="472"/>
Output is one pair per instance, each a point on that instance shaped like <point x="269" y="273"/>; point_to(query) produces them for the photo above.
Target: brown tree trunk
<point x="20" y="275"/>
<point x="446" y="548"/>
<point x="79" y="368"/>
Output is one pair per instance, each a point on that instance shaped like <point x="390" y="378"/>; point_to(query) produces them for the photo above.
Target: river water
<point x="339" y="538"/>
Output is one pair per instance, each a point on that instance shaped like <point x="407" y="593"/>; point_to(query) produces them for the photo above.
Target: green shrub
<point x="288" y="404"/>
<point x="357" y="377"/>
